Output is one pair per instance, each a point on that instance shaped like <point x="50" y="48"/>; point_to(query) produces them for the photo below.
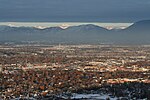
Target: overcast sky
<point x="74" y="10"/>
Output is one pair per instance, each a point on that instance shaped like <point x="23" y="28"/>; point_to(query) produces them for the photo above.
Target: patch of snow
<point x="92" y="96"/>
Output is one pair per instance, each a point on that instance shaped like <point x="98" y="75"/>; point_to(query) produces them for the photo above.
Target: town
<point x="60" y="71"/>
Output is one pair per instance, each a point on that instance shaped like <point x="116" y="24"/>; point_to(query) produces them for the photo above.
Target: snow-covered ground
<point x="89" y="96"/>
<point x="92" y="96"/>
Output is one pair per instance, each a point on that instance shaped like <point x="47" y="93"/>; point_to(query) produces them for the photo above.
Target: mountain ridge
<point x="139" y="32"/>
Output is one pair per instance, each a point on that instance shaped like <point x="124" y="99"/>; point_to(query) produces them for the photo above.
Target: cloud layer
<point x="74" y="10"/>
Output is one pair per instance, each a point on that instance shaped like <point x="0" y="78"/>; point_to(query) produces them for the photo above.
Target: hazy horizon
<point x="64" y="24"/>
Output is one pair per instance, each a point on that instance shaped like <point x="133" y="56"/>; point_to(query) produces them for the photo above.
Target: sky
<point x="118" y="11"/>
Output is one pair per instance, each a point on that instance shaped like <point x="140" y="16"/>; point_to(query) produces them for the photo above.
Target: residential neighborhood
<point x="53" y="71"/>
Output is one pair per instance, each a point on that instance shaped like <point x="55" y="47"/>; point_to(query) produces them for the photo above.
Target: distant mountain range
<point x="138" y="33"/>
